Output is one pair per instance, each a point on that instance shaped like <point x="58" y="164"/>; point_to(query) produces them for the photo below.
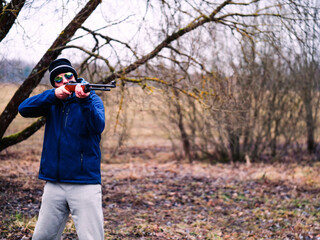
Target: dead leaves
<point x="175" y="205"/>
<point x="169" y="201"/>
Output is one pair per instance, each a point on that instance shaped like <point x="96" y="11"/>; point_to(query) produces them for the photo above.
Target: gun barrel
<point x="100" y="89"/>
<point x="102" y="85"/>
<point x="88" y="87"/>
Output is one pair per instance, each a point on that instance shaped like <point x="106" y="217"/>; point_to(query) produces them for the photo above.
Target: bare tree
<point x="177" y="23"/>
<point x="253" y="111"/>
<point x="305" y="67"/>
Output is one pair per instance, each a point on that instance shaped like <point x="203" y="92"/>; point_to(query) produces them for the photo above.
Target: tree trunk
<point x="9" y="15"/>
<point x="234" y="143"/>
<point x="310" y="126"/>
<point x="183" y="133"/>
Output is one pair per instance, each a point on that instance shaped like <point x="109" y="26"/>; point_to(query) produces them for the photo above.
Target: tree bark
<point x="23" y="135"/>
<point x="310" y="124"/>
<point x="183" y="133"/>
<point x="9" y="15"/>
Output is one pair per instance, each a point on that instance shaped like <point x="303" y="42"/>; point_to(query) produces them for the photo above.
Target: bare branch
<point x="23" y="135"/>
<point x="109" y="39"/>
<point x="201" y="20"/>
<point x="91" y="54"/>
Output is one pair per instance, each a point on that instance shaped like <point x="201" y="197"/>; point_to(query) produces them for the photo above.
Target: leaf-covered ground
<point x="180" y="201"/>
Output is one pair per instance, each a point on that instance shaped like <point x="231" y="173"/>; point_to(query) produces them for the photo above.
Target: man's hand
<point x="80" y="92"/>
<point x="62" y="93"/>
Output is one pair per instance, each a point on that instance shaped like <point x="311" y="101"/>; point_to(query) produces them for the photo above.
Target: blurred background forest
<point x="217" y="81"/>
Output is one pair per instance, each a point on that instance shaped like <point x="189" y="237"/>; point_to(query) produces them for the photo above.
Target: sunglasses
<point x="58" y="79"/>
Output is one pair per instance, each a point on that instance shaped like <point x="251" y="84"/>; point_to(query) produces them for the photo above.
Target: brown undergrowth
<point x="170" y="200"/>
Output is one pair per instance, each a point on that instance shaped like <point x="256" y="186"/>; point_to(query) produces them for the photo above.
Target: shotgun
<point x="87" y="87"/>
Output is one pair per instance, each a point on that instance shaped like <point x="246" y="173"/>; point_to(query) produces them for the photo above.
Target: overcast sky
<point x="41" y="22"/>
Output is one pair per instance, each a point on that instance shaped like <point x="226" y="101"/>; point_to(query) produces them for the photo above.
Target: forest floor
<point x="172" y="200"/>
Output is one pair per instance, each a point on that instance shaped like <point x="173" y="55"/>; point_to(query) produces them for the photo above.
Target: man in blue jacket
<point x="70" y="161"/>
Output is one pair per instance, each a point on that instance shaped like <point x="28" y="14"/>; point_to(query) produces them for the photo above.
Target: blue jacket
<point x="71" y="151"/>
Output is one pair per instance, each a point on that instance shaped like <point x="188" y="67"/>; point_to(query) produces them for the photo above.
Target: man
<point x="70" y="161"/>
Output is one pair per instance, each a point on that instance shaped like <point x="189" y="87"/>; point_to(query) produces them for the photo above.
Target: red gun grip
<point x="71" y="88"/>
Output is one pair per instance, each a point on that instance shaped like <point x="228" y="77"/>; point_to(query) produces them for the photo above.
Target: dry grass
<point x="132" y="121"/>
<point x="302" y="176"/>
<point x="215" y="197"/>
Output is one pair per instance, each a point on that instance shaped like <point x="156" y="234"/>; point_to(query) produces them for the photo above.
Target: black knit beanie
<point x="59" y="66"/>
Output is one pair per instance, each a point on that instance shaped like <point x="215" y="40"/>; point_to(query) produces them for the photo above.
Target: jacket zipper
<point x="66" y="119"/>
<point x="81" y="159"/>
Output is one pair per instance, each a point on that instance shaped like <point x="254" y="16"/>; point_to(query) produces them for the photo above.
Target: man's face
<point x="63" y="78"/>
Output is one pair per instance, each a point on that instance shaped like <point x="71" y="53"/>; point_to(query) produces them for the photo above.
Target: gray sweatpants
<point x="83" y="201"/>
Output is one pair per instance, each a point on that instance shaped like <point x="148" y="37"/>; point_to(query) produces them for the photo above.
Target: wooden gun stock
<point x="72" y="88"/>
